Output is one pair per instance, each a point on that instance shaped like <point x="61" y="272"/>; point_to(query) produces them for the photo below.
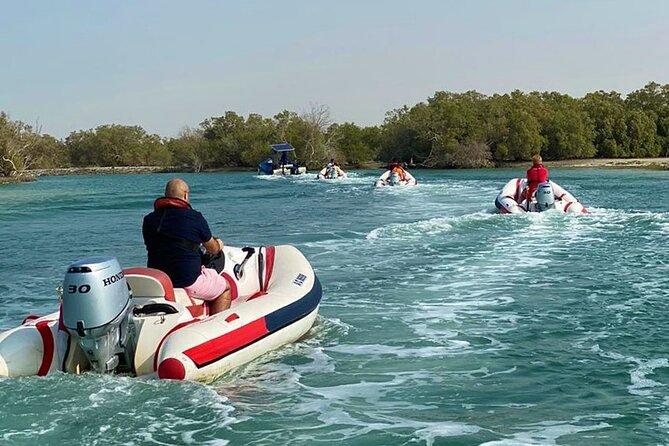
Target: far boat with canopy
<point x="279" y="163"/>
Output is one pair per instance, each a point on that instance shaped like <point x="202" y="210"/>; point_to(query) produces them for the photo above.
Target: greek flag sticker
<point x="299" y="280"/>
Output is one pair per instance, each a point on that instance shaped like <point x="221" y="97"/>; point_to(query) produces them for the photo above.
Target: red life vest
<point x="399" y="171"/>
<point x="169" y="202"/>
<point x="535" y="176"/>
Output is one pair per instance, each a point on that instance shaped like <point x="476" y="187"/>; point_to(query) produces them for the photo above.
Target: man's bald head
<point x="177" y="188"/>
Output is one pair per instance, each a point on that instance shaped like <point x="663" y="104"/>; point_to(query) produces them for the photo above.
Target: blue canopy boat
<point x="279" y="163"/>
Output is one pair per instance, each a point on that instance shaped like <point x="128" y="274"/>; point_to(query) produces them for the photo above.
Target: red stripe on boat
<point x="30" y="317"/>
<point x="232" y="317"/>
<point x="221" y="346"/>
<point x="233" y="285"/>
<point x="269" y="265"/>
<point x="567" y="206"/>
<point x="47" y="342"/>
<point x="160" y="344"/>
<point x="256" y="295"/>
<point x="517" y="195"/>
<point x="158" y="275"/>
<point x="584" y="211"/>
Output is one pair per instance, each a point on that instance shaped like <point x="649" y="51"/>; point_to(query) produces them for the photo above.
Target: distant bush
<point x="471" y="156"/>
<point x="461" y="156"/>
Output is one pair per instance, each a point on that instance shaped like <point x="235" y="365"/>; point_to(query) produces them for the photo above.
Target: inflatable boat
<point x="549" y="195"/>
<point x="134" y="321"/>
<point x="331" y="174"/>
<point x="393" y="179"/>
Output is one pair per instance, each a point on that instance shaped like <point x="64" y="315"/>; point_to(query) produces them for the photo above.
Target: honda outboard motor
<point x="394" y="179"/>
<point x="545" y="197"/>
<point x="96" y="307"/>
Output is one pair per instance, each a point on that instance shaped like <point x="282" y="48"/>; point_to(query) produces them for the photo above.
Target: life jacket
<point x="399" y="171"/>
<point x="162" y="205"/>
<point x="169" y="202"/>
<point x="535" y="176"/>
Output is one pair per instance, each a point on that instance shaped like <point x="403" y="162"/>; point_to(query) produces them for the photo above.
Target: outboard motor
<point x="96" y="308"/>
<point x="394" y="179"/>
<point x="545" y="197"/>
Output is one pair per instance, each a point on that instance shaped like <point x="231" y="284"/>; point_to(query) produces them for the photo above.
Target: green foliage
<point x="567" y="129"/>
<point x="653" y="101"/>
<point x="117" y="145"/>
<point x="190" y="150"/>
<point x="22" y="147"/>
<point x="356" y="144"/>
<point x="448" y="130"/>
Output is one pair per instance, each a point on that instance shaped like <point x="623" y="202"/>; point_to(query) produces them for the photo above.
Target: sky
<point x="164" y="65"/>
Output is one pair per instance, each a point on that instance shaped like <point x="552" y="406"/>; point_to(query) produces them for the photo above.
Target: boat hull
<point x="276" y="302"/>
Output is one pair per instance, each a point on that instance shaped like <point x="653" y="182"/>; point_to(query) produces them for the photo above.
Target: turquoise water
<point x="442" y="322"/>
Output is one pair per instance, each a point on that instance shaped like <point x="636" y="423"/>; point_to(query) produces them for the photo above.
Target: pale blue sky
<point x="164" y="65"/>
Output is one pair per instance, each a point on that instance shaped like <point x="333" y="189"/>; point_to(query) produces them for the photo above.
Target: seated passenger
<point x="394" y="163"/>
<point x="338" y="171"/>
<point x="536" y="175"/>
<point x="399" y="170"/>
<point x="172" y="234"/>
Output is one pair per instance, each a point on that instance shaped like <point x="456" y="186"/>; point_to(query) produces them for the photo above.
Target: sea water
<point x="442" y="322"/>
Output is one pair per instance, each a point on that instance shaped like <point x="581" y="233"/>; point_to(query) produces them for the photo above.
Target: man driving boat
<point x="173" y="233"/>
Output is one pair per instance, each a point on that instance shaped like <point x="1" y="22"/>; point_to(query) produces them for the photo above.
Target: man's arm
<point x="213" y="245"/>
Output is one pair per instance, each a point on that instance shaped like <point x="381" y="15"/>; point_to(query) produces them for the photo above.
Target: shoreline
<point x="591" y="163"/>
<point x="600" y="163"/>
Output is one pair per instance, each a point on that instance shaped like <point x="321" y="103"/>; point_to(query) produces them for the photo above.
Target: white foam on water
<point x="380" y="351"/>
<point x="422" y="228"/>
<point x="548" y="432"/>
<point x="641" y="384"/>
<point x="437" y="430"/>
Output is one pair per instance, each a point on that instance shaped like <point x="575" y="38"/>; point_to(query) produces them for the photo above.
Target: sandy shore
<point x="615" y="163"/>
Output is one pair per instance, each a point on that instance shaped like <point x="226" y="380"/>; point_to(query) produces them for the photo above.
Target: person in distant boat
<point x="173" y="233"/>
<point x="399" y="170"/>
<point x="337" y="170"/>
<point x="394" y="163"/>
<point x="536" y="175"/>
<point x="331" y="164"/>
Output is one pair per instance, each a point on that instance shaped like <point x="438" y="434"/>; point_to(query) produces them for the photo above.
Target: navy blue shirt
<point x="183" y="265"/>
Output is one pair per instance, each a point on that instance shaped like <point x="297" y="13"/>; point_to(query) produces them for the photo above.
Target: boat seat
<point x="151" y="282"/>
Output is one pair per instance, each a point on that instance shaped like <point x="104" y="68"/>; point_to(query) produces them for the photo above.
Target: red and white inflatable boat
<point x="134" y="321"/>
<point x="548" y="195"/>
<point x="393" y="179"/>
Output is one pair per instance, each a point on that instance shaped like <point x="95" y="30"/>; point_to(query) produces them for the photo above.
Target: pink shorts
<point x="208" y="286"/>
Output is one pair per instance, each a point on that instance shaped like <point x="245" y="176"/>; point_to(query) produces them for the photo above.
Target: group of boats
<point x="134" y="321"/>
<point x="280" y="164"/>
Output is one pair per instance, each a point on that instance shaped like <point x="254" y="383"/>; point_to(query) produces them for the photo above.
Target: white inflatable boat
<point x="331" y="174"/>
<point x="549" y="195"/>
<point x="393" y="179"/>
<point x="133" y="321"/>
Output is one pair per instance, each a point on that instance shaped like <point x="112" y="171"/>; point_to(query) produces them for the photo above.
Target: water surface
<point x="442" y="322"/>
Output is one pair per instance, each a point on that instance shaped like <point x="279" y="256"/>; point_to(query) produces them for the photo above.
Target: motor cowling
<point x="545" y="197"/>
<point x="96" y="308"/>
<point x="394" y="179"/>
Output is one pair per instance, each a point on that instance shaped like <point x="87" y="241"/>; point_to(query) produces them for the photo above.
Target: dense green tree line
<point x="448" y="130"/>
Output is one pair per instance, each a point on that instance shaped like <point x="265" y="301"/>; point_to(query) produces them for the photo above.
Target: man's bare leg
<point x="222" y="302"/>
